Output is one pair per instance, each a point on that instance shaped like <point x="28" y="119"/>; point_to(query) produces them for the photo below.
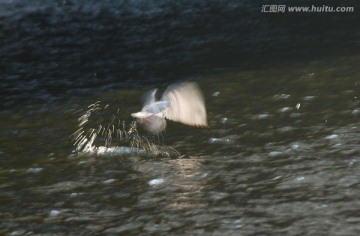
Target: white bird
<point x="182" y="102"/>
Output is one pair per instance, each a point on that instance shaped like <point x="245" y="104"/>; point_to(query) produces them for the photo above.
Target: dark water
<point x="280" y="155"/>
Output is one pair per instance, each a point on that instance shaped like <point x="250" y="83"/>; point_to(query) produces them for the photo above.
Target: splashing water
<point x="115" y="136"/>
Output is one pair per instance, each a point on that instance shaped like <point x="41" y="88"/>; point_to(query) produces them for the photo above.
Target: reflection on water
<point x="280" y="156"/>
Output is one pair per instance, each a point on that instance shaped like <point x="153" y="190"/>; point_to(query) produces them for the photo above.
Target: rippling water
<point x="280" y="155"/>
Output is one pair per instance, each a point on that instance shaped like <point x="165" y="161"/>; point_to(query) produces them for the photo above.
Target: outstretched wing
<point x="187" y="104"/>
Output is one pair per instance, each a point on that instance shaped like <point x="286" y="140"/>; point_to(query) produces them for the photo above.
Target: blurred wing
<point x="149" y="97"/>
<point x="186" y="104"/>
<point x="157" y="107"/>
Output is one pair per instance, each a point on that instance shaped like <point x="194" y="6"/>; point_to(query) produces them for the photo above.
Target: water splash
<point x="102" y="130"/>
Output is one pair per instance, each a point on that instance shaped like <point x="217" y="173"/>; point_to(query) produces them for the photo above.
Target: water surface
<point x="280" y="155"/>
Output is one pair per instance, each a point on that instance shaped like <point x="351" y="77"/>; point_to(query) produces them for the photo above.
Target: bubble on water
<point x="355" y="112"/>
<point x="276" y="177"/>
<point x="352" y="162"/>
<point x="224" y="120"/>
<point x="215" y="94"/>
<point x="221" y="141"/>
<point x="218" y="196"/>
<point x="237" y="223"/>
<point x="323" y="206"/>
<point x="300" y="178"/>
<point x="34" y="170"/>
<point x="285" y="109"/>
<point x="54" y="213"/>
<point x="295" y="115"/>
<point x="309" y="98"/>
<point x="332" y="136"/>
<point x="109" y="181"/>
<point x="203" y="176"/>
<point x="348" y="181"/>
<point x="155" y="182"/>
<point x="276" y="154"/>
<point x="18" y="232"/>
<point x="281" y="96"/>
<point x="261" y="116"/>
<point x="338" y="145"/>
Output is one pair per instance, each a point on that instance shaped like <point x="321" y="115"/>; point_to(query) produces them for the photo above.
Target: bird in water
<point x="181" y="102"/>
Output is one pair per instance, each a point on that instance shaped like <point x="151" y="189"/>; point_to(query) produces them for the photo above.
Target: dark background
<point x="52" y="49"/>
